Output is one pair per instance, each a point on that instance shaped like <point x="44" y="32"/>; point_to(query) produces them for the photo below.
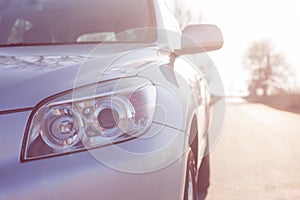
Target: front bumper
<point x="153" y="167"/>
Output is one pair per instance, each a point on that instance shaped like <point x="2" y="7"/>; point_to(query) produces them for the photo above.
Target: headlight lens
<point x="60" y="128"/>
<point x="90" y="117"/>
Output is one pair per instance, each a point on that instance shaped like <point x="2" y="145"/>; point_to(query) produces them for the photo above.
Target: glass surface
<point x="31" y="22"/>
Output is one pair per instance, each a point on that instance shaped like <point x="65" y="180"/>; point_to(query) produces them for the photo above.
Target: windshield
<point x="29" y="22"/>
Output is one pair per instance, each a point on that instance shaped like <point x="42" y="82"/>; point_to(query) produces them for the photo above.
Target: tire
<point x="190" y="189"/>
<point x="203" y="179"/>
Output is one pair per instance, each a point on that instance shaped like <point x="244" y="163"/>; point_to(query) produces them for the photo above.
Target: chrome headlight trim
<point x="89" y="117"/>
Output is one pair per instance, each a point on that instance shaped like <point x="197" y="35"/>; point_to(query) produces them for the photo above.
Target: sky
<point x="243" y="22"/>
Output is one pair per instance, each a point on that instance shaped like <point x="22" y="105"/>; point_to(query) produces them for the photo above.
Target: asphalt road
<point x="257" y="156"/>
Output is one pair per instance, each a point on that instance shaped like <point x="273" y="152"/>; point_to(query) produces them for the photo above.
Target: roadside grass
<point x="286" y="102"/>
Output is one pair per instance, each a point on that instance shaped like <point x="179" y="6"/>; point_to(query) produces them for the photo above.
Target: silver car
<point x="97" y="101"/>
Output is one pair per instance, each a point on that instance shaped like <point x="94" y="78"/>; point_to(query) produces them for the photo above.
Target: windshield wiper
<point x="20" y="44"/>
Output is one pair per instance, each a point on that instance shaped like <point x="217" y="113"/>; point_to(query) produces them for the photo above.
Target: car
<point x="97" y="101"/>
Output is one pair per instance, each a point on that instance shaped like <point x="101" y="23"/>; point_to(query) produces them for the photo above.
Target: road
<point x="257" y="156"/>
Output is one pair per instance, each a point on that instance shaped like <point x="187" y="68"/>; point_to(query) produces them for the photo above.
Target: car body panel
<point x="77" y="176"/>
<point x="57" y="71"/>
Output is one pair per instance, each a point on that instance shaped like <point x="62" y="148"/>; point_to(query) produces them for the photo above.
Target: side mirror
<point x="200" y="38"/>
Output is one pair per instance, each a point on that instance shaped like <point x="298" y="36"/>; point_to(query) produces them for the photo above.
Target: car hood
<point x="28" y="75"/>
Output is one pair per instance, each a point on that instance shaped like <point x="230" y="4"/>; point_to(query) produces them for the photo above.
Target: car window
<point x="74" y="21"/>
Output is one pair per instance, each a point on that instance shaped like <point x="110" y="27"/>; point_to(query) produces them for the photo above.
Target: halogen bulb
<point x="61" y="128"/>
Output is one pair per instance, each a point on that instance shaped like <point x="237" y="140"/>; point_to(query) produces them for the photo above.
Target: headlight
<point x="90" y="117"/>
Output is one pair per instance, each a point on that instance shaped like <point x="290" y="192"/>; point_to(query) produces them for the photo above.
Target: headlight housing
<point x="90" y="117"/>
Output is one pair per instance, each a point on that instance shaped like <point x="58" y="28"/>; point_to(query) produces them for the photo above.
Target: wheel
<point x="190" y="190"/>
<point x="203" y="177"/>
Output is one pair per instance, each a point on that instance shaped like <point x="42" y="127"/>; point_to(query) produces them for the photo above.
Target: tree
<point x="268" y="69"/>
<point x="183" y="15"/>
<point x="184" y="12"/>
